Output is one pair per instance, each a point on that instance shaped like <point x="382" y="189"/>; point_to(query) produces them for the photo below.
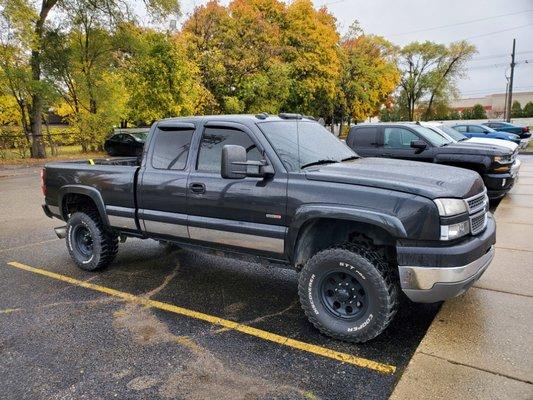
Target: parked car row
<point x="497" y="165"/>
<point x="482" y="131"/>
<point x="284" y="190"/>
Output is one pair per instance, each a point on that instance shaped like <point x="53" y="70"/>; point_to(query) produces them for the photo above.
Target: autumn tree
<point x="368" y="75"/>
<point x="261" y="55"/>
<point x="238" y="50"/>
<point x="311" y="50"/>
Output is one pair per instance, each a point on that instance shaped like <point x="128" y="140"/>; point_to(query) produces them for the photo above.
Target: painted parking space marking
<point x="231" y="325"/>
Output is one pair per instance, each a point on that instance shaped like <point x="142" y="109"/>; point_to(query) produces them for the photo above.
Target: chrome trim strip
<point x="121" y="217"/>
<point x="121" y="222"/>
<point x="424" y="278"/>
<point x="165" y="228"/>
<point x="256" y="242"/>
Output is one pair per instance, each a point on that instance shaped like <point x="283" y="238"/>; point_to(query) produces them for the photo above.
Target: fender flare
<point x="389" y="223"/>
<point x="89" y="191"/>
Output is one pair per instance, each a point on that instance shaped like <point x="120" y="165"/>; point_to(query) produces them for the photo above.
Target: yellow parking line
<point x="272" y="337"/>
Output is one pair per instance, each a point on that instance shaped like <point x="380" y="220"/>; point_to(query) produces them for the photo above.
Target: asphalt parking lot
<point x="171" y="324"/>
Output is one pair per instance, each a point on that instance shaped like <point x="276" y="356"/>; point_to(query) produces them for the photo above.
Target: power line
<point x="495" y="32"/>
<point x="523" y="62"/>
<point x="458" y="23"/>
<point x="499" y="56"/>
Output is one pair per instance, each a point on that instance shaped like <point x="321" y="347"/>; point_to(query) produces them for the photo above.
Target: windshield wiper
<point x="319" y="162"/>
<point x="350" y="158"/>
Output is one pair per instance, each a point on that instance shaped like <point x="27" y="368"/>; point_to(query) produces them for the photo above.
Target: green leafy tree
<point x="516" y="109"/>
<point x="28" y="23"/>
<point x="528" y="109"/>
<point x="161" y="79"/>
<point x="478" y="112"/>
<point x="467" y="113"/>
<point x="429" y="71"/>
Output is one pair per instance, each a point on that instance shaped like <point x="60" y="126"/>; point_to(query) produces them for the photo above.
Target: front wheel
<point x="89" y="244"/>
<point x="348" y="293"/>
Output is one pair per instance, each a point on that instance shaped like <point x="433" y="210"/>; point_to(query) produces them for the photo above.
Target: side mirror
<point x="234" y="164"/>
<point x="418" y="144"/>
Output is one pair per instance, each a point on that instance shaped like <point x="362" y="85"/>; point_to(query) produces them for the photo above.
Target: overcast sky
<point x="490" y="25"/>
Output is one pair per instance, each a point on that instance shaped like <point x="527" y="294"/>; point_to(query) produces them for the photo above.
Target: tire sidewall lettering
<point x="310" y="294"/>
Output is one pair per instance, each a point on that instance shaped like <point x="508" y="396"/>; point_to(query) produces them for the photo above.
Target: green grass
<point x="12" y="156"/>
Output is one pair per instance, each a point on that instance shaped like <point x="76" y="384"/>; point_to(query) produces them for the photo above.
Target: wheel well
<point x="321" y="233"/>
<point x="73" y="202"/>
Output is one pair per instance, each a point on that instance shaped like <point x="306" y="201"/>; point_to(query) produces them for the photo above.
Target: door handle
<point x="197" y="188"/>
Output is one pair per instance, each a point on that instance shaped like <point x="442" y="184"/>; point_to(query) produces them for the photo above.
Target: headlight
<point x="449" y="207"/>
<point x="450" y="232"/>
<point x="503" y="159"/>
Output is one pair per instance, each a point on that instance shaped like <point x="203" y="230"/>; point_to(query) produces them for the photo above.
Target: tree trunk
<point x="36" y="112"/>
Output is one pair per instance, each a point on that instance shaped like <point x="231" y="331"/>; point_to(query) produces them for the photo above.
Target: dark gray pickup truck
<point x="284" y="190"/>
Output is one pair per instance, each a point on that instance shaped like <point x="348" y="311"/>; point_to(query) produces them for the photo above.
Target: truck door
<point x="397" y="144"/>
<point x="162" y="186"/>
<point x="364" y="141"/>
<point x="247" y="213"/>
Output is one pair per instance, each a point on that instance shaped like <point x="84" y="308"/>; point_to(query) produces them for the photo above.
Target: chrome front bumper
<point x="428" y="285"/>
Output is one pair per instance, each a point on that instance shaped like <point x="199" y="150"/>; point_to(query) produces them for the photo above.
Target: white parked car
<point x="456" y="136"/>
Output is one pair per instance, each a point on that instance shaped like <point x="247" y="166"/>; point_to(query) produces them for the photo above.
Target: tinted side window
<point x="171" y="149"/>
<point x="398" y="138"/>
<point x="364" y="137"/>
<point x="460" y="128"/>
<point x="476" y="129"/>
<point x="213" y="139"/>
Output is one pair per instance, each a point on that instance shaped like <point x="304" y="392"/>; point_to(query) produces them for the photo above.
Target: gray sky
<point x="486" y="24"/>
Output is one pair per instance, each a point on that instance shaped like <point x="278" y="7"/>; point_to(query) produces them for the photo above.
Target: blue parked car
<point x="471" y="130"/>
<point x="501" y="126"/>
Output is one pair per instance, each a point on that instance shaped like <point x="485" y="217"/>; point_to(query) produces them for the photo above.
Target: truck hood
<point x="474" y="148"/>
<point x="495" y="142"/>
<point x="424" y="179"/>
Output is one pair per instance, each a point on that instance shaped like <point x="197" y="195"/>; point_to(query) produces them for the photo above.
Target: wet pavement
<point x="60" y="340"/>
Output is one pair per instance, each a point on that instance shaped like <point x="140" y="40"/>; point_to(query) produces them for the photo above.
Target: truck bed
<point x="112" y="179"/>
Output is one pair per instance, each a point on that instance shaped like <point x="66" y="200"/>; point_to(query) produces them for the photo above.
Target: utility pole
<point x="506" y="95"/>
<point x="510" y="97"/>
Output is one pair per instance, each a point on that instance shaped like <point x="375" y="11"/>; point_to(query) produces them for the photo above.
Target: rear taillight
<point x="525" y="129"/>
<point x="43" y="187"/>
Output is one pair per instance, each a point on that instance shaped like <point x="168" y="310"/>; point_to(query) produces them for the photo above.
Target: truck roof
<point x="242" y="118"/>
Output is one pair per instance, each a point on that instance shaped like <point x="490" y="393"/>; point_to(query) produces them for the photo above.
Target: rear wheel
<point x="88" y="243"/>
<point x="348" y="293"/>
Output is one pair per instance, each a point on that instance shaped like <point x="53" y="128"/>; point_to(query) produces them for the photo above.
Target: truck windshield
<point x="304" y="143"/>
<point x="435" y="138"/>
<point x="456" y="135"/>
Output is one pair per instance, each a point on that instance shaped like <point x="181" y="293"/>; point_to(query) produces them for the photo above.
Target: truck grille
<point x="478" y="222"/>
<point x="477" y="208"/>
